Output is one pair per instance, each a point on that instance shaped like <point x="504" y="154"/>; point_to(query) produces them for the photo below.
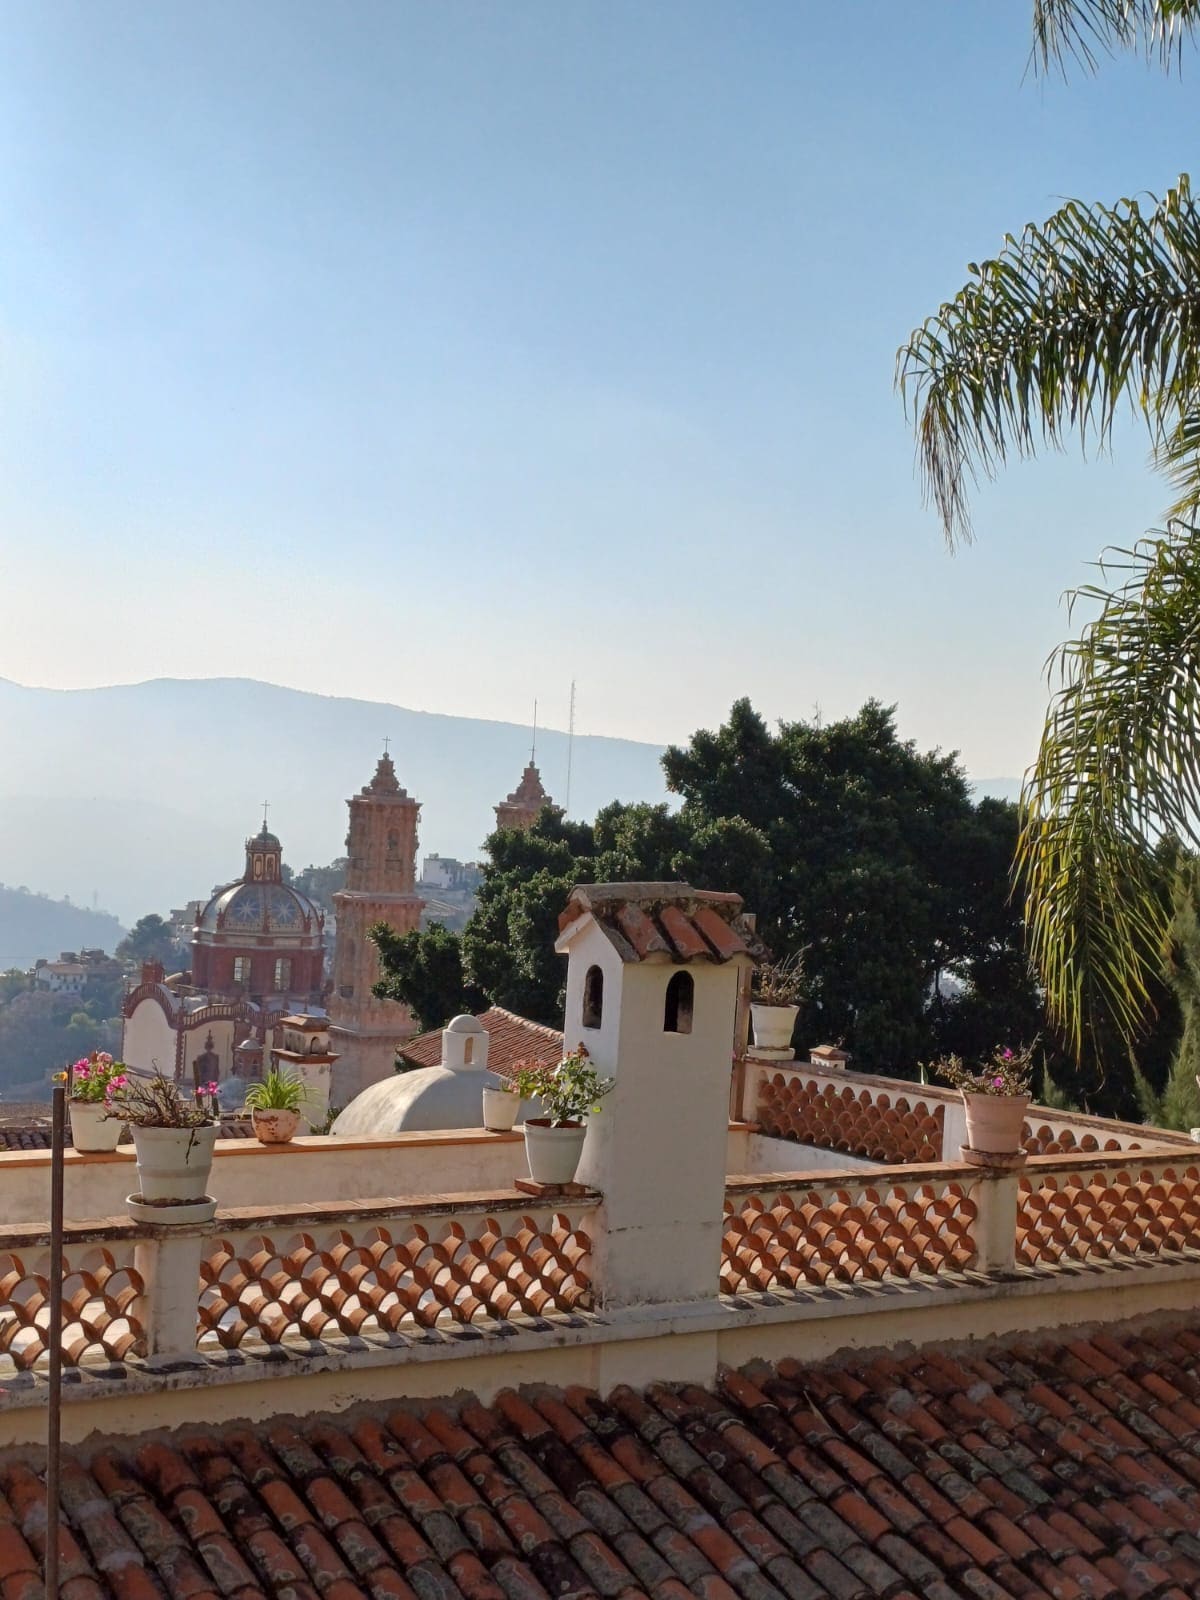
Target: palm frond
<point x="1084" y="30"/>
<point x="1117" y="771"/>
<point x="1098" y="306"/>
<point x="1179" y="458"/>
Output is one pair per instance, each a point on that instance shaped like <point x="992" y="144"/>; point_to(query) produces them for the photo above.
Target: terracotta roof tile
<point x="510" y="1039"/>
<point x="1037" y="1470"/>
<point x="672" y="920"/>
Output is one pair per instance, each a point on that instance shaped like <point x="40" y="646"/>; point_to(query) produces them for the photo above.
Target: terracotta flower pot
<point x="275" y="1126"/>
<point x="500" y="1107"/>
<point x="773" y="1025"/>
<point x="93" y="1131"/>
<point x="553" y="1153"/>
<point x="173" y="1167"/>
<point x="995" y="1122"/>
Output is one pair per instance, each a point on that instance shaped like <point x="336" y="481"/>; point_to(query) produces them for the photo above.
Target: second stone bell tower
<point x="380" y="887"/>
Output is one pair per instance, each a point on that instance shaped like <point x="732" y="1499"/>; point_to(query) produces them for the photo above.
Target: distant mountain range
<point x="142" y="795"/>
<point x="33" y="925"/>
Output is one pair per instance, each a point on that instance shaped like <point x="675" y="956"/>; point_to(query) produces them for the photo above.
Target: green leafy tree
<point x="842" y="838"/>
<point x="12" y="983"/>
<point x="150" y="939"/>
<point x="424" y="971"/>
<point x="1096" y="309"/>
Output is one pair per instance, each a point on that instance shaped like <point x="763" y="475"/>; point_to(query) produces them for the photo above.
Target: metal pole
<point x="54" y="1334"/>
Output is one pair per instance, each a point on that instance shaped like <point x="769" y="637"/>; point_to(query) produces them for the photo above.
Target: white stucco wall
<point x="148" y="1040"/>
<point x="246" y="1173"/>
<point x="658" y="1149"/>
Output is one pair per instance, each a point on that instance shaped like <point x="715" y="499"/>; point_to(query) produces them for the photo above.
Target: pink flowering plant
<point x="1005" y="1072"/>
<point x="96" y="1079"/>
<point x="569" y="1092"/>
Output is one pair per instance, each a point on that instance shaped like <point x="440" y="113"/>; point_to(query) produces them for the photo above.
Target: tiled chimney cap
<point x="828" y="1052"/>
<point x="663" y="921"/>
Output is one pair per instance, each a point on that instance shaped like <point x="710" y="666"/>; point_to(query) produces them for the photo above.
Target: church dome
<point x="260" y="908"/>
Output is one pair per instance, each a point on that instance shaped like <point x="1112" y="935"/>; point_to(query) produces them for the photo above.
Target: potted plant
<point x="274" y="1104"/>
<point x="501" y="1102"/>
<point x="777" y="990"/>
<point x="995" y="1097"/>
<point x="569" y="1093"/>
<point x="173" y="1135"/>
<point x="94" y="1088"/>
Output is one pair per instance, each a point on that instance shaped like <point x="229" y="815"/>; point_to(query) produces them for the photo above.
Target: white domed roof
<point x="417" y="1102"/>
<point x="465" y="1024"/>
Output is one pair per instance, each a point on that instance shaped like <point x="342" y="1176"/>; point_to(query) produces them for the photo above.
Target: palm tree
<point x="1094" y="310"/>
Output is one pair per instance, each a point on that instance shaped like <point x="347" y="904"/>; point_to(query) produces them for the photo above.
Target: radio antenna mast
<point x="570" y="749"/>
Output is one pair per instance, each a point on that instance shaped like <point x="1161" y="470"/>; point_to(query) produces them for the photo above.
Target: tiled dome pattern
<point x="328" y="1281"/>
<point x="102" y="1305"/>
<point x="1074" y="1216"/>
<point x="858" y="1121"/>
<point x="1039" y="1140"/>
<point x="806" y="1238"/>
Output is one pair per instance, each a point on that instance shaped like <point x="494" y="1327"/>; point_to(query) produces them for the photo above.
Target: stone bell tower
<point x="380" y="887"/>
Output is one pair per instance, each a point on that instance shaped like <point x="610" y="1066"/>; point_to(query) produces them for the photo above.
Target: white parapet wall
<point x="245" y="1173"/>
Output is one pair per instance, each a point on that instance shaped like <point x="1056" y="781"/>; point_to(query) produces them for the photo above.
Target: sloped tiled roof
<point x="510" y="1039"/>
<point x="672" y="920"/>
<point x="1066" y="1470"/>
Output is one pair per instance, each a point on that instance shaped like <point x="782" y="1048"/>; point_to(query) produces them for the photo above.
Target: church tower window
<point x="283" y="974"/>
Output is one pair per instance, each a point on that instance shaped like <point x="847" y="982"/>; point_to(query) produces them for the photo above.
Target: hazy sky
<point x="442" y="352"/>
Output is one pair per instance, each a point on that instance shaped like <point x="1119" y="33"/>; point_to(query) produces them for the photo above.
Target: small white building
<point x="60" y="977"/>
<point x="654" y="977"/>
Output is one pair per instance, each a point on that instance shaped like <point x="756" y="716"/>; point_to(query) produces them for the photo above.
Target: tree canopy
<point x="841" y="837"/>
<point x="150" y="939"/>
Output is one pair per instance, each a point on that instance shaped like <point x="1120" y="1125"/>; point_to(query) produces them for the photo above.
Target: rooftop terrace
<point x="739" y="1222"/>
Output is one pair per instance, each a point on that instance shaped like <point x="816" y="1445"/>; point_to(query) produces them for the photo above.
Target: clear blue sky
<point x="439" y="352"/>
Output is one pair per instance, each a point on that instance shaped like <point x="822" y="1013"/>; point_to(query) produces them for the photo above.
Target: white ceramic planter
<point x="500" y="1107"/>
<point x="773" y="1025"/>
<point x="553" y="1153"/>
<point x="173" y="1167"/>
<point x="275" y="1126"/>
<point x="995" y="1122"/>
<point x="93" y="1132"/>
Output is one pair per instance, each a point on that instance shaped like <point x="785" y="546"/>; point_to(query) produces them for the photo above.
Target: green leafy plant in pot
<point x="173" y="1135"/>
<point x="569" y="1093"/>
<point x="275" y="1103"/>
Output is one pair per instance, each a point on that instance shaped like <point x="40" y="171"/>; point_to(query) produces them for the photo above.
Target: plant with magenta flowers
<point x="96" y="1079"/>
<point x="1004" y="1072"/>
